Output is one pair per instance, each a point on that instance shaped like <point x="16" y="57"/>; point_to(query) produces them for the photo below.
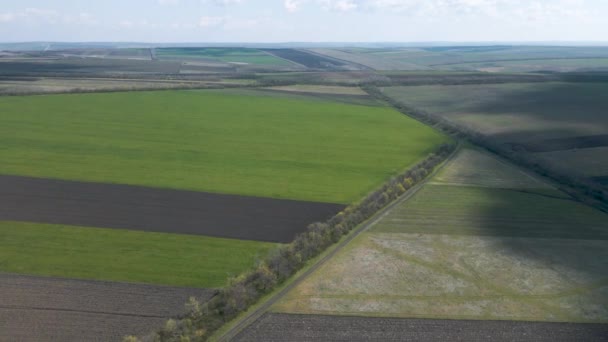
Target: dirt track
<point x="54" y="309"/>
<point x="287" y="327"/>
<point x="158" y="210"/>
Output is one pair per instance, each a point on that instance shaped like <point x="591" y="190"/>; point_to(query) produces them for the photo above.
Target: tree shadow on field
<point x="548" y="250"/>
<point x="533" y="111"/>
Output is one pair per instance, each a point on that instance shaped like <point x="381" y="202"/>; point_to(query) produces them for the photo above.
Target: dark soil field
<point x="79" y="66"/>
<point x="55" y="309"/>
<point x="550" y="145"/>
<point x="288" y="327"/>
<point x="602" y="180"/>
<point x="307" y="59"/>
<point x="157" y="210"/>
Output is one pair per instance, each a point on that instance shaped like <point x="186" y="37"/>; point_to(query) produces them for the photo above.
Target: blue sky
<point x="303" y="20"/>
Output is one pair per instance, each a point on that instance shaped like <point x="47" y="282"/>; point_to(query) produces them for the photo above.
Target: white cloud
<point x="292" y="5"/>
<point x="240" y="24"/>
<point x="38" y="16"/>
<point x="7" y="17"/>
<point x="339" y="5"/>
<point x="478" y="7"/>
<point x="228" y="22"/>
<point x="223" y="3"/>
<point x="228" y="2"/>
<point x="210" y="21"/>
<point x="137" y="24"/>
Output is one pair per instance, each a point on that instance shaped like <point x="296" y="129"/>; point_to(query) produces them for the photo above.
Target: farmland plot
<point x="205" y="141"/>
<point x="476" y="58"/>
<point x="157" y="210"/>
<point x="470" y="248"/>
<point x="125" y="255"/>
<point x="293" y="327"/>
<point x="555" y="121"/>
<point x="54" y="309"/>
<point x="226" y="55"/>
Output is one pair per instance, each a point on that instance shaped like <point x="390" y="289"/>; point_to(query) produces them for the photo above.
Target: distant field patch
<point x="516" y="112"/>
<point x="307" y="59"/>
<point x="535" y="65"/>
<point x="228" y="55"/>
<point x="395" y="59"/>
<point x="586" y="162"/>
<point x="602" y="180"/>
<point x="532" y="117"/>
<point x="209" y="141"/>
<point x="580" y="142"/>
<point x="305" y="88"/>
<point x="38" y="85"/>
<point x="123" y="255"/>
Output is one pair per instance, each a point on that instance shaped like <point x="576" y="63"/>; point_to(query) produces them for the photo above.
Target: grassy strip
<point x="208" y="141"/>
<point x="202" y="320"/>
<point x="124" y="255"/>
<point x="467" y="210"/>
<point x="239" y="55"/>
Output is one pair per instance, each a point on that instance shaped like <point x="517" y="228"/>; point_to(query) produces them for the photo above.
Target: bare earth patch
<point x="55" y="309"/>
<point x="289" y="327"/>
<point x="157" y="210"/>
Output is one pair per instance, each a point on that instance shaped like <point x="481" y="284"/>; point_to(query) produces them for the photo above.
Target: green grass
<point x="208" y="141"/>
<point x="238" y="55"/>
<point x="124" y="255"/>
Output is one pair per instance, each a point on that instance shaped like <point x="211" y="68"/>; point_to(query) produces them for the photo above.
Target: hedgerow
<point x="201" y="320"/>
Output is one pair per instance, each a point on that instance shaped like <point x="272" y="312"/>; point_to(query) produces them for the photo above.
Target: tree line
<point x="202" y="319"/>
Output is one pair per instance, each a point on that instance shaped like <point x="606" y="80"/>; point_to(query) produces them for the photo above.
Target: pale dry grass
<point x="445" y="276"/>
<point x="475" y="168"/>
<point x="504" y="246"/>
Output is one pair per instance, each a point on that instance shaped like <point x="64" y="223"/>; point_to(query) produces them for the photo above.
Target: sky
<point x="304" y="20"/>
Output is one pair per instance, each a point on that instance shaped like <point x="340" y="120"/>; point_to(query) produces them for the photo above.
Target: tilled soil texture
<point x="562" y="144"/>
<point x="157" y="210"/>
<point x="602" y="180"/>
<point x="289" y="327"/>
<point x="307" y="59"/>
<point x="55" y="309"/>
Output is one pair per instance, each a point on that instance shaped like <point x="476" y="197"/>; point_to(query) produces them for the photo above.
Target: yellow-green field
<point x="211" y="141"/>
